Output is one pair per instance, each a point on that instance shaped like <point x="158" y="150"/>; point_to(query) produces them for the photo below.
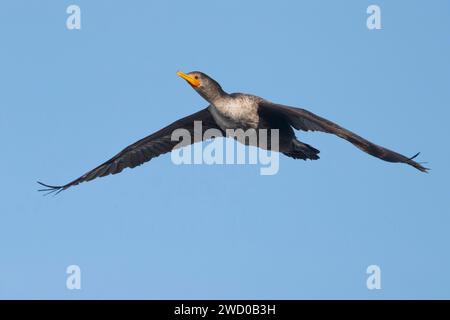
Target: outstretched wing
<point x="143" y="150"/>
<point x="302" y="119"/>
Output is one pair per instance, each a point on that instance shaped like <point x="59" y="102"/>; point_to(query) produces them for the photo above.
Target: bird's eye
<point x="196" y="77"/>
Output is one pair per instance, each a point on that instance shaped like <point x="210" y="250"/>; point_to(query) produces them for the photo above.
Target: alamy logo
<point x="73" y="281"/>
<point x="374" y="20"/>
<point x="374" y="279"/>
<point x="263" y="150"/>
<point x="73" y="21"/>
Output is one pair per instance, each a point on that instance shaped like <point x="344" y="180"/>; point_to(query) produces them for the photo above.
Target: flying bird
<point x="236" y="111"/>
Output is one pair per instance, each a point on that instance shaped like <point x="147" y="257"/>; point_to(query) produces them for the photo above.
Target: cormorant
<point x="236" y="111"/>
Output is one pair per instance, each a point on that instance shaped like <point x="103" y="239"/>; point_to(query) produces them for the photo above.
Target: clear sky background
<point x="71" y="99"/>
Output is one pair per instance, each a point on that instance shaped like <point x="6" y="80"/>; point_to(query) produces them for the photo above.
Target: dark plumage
<point x="234" y="111"/>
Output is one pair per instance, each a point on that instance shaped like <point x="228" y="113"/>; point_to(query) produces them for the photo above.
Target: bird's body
<point x="243" y="111"/>
<point x="237" y="111"/>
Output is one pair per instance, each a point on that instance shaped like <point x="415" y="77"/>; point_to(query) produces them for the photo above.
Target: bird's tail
<point x="300" y="150"/>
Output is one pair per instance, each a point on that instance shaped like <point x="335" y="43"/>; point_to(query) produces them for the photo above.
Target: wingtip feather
<point x="50" y="189"/>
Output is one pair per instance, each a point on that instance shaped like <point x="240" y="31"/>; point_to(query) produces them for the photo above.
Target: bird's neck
<point x="216" y="97"/>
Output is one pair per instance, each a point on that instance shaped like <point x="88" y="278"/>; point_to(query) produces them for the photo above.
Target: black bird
<point x="236" y="111"/>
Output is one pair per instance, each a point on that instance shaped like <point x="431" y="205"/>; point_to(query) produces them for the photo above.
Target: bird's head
<point x="205" y="86"/>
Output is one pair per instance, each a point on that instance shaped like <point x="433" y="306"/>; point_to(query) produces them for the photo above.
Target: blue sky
<point x="71" y="99"/>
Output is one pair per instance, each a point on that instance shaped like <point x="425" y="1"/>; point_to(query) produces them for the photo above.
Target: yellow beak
<point x="192" y="81"/>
